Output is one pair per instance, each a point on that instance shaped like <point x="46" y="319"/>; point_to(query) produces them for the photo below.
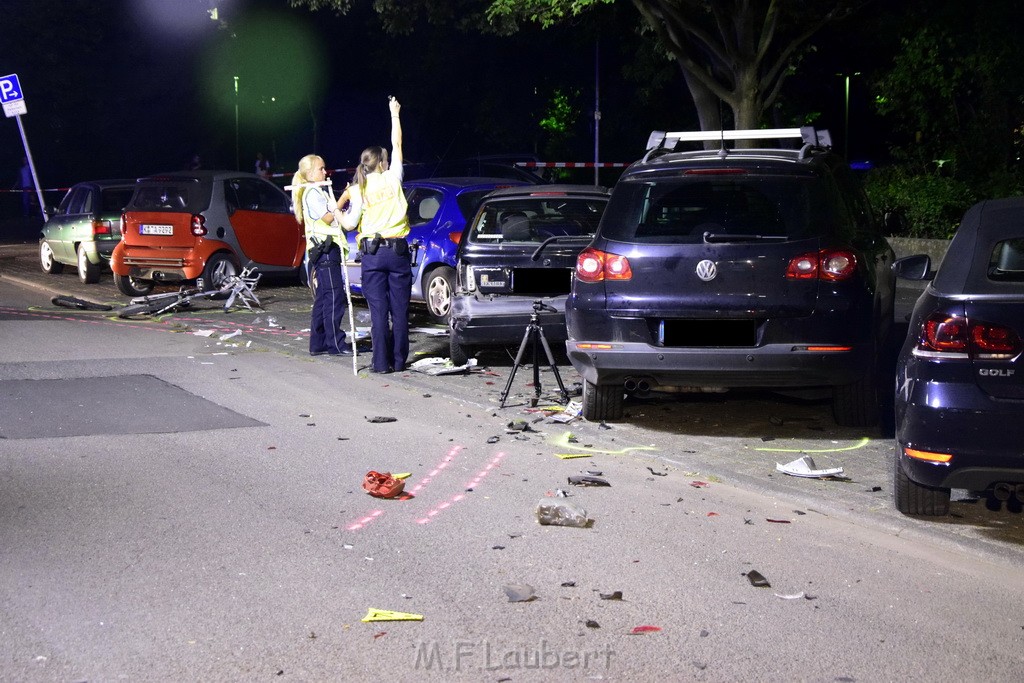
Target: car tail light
<point x="944" y="334"/>
<point x="101" y="228"/>
<point x="833" y="265"/>
<point x="198" y="225"/>
<point x="715" y="171"/>
<point x="124" y="224"/>
<point x="593" y="265"/>
<point x="455" y="237"/>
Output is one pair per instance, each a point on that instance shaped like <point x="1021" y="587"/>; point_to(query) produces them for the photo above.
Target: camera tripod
<point x="535" y="333"/>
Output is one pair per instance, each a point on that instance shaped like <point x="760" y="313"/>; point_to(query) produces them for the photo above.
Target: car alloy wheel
<point x="439" y="289"/>
<point x="88" y="272"/>
<point x="47" y="261"/>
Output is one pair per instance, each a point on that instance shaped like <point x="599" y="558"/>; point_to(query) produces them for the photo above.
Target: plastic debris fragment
<point x="569" y="456"/>
<point x="638" y="630"/>
<point x="561" y="513"/>
<point x="699" y="484"/>
<point x="794" y="596"/>
<point x="519" y="592"/>
<point x="586" y="480"/>
<point x="592" y="624"/>
<point x="617" y="595"/>
<point x="373" y="614"/>
<point x="379" y="419"/>
<point x="805" y="467"/>
<point x="757" y="579"/>
<point x="493" y="439"/>
<point x="657" y="474"/>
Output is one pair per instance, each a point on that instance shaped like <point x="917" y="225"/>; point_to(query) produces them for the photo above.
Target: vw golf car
<point x="726" y="268"/>
<point x="520" y="248"/>
<point x="960" y="375"/>
<point x="208" y="224"/>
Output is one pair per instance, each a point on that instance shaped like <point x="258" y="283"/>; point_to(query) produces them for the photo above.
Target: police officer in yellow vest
<point x="378" y="208"/>
<point x="314" y="211"/>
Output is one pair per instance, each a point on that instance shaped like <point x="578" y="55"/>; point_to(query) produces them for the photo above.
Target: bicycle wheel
<point x="81" y="304"/>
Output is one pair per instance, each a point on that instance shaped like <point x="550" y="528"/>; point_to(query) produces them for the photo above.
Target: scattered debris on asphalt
<point x="493" y="439"/>
<point x="699" y="484"/>
<point x="757" y="579"/>
<point x="374" y="614"/>
<point x="441" y="366"/>
<point x="561" y="513"/>
<point x="617" y="595"/>
<point x="592" y="624"/>
<point x="795" y="596"/>
<point x="382" y="484"/>
<point x="804" y="467"/>
<point x="520" y="592"/>
<point x="777" y="521"/>
<point x="657" y="474"/>
<point x="568" y="584"/>
<point x="585" y="480"/>
<point x="640" y="630"/>
<point x="380" y="419"/>
<point x="569" y="456"/>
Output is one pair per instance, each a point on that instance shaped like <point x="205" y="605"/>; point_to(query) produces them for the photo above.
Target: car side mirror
<point x="916" y="267"/>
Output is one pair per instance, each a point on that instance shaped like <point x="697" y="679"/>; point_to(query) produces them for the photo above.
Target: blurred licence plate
<point x="150" y="229"/>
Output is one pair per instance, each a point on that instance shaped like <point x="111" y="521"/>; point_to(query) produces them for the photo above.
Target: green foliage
<point x="931" y="204"/>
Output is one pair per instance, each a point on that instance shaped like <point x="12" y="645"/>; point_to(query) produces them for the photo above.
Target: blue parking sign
<point x="10" y="89"/>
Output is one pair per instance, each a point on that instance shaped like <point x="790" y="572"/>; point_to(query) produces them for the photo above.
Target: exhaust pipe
<point x="637" y="386"/>
<point x="1002" y="491"/>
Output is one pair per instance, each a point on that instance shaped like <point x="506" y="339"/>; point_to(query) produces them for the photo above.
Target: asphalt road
<point x="175" y="506"/>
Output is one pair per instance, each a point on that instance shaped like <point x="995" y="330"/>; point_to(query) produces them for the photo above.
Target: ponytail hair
<point x="302" y="176"/>
<point x="372" y="160"/>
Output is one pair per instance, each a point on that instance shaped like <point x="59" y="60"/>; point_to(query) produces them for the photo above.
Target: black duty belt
<point x="370" y="245"/>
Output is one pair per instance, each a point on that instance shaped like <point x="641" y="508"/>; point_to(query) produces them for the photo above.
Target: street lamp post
<point x="238" y="165"/>
<point x="846" y="114"/>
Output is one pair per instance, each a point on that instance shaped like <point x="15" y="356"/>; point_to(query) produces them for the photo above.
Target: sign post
<point x="13" y="100"/>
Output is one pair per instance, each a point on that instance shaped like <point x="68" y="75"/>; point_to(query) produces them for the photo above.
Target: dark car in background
<point x="520" y="248"/>
<point x="209" y="224"/>
<point x="960" y="374"/>
<point x="439" y="209"/>
<point x="728" y="268"/>
<point x="84" y="229"/>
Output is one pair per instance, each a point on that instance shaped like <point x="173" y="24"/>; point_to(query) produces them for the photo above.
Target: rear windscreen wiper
<point x="710" y="237"/>
<point x="585" y="239"/>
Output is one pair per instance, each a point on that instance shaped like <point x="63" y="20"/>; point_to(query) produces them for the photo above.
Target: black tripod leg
<point x="515" y="366"/>
<point x="535" y="331"/>
<point x="551" y="362"/>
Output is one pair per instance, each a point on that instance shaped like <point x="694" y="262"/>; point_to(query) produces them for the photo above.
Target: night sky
<point x="125" y="88"/>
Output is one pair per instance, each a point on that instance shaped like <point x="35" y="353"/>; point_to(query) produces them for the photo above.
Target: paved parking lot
<point x="736" y="437"/>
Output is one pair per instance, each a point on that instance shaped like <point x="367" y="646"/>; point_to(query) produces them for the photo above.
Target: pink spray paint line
<point x="459" y="496"/>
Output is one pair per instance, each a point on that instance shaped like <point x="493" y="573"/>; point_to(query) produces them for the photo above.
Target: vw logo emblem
<point x="706" y="270"/>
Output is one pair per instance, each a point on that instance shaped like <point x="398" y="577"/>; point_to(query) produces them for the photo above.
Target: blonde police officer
<point x="314" y="211"/>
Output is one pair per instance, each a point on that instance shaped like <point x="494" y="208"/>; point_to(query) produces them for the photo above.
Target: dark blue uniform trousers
<point x="326" y="333"/>
<point x="387" y="287"/>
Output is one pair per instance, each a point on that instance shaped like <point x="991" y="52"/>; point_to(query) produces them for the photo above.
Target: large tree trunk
<point x="709" y="112"/>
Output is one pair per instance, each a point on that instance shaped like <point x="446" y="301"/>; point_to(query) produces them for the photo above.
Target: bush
<point x="932" y="205"/>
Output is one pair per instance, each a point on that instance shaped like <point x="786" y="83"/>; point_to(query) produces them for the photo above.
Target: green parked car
<point x="85" y="228"/>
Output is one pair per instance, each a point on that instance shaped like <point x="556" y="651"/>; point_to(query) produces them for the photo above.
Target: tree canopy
<point x="736" y="52"/>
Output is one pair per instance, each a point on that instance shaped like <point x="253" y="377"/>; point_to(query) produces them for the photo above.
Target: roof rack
<point x="816" y="138"/>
